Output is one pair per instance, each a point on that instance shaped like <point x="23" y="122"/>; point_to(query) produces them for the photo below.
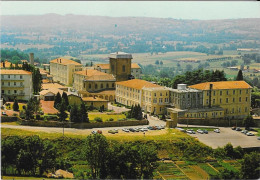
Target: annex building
<point x="62" y="70"/>
<point x="16" y="84"/>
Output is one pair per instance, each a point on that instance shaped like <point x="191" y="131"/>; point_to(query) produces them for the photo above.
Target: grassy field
<point x="105" y="117"/>
<point x="156" y="135"/>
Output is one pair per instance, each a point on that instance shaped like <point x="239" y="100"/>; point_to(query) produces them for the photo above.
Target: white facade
<point x="16" y="84"/>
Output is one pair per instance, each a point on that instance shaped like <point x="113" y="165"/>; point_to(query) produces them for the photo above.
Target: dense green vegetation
<point x="99" y="157"/>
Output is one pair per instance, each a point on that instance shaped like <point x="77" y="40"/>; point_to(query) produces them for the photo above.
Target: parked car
<point x="94" y="132"/>
<point x="217" y="130"/>
<point x="258" y="138"/>
<point x="3" y="113"/>
<point x="145" y="129"/>
<point x="162" y="126"/>
<point x="205" y="131"/>
<point x="99" y="131"/>
<point x="244" y="131"/>
<point x="150" y="127"/>
<point x="154" y="128"/>
<point x="234" y="128"/>
<point x="190" y="131"/>
<point x="131" y="129"/>
<point x="111" y="131"/>
<point x="238" y="129"/>
<point x="182" y="130"/>
<point x="200" y="131"/>
<point x="249" y="134"/>
<point x="158" y="127"/>
<point x="126" y="130"/>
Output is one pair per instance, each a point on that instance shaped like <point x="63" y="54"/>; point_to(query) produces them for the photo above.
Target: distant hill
<point x="247" y="28"/>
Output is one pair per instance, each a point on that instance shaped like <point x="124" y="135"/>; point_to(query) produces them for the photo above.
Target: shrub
<point x="38" y="117"/>
<point x="110" y="119"/>
<point x="51" y="117"/>
<point x="98" y="119"/>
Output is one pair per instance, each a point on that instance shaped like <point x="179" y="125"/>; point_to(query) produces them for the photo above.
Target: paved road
<point x="226" y="135"/>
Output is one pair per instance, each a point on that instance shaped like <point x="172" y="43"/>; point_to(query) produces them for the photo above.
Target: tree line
<point x="34" y="156"/>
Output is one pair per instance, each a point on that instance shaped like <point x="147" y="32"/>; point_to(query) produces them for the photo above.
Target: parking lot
<point x="226" y="135"/>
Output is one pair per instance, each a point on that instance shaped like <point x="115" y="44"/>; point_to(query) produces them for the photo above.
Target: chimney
<point x="31" y="56"/>
<point x="60" y="60"/>
<point x="210" y="90"/>
<point x="86" y="72"/>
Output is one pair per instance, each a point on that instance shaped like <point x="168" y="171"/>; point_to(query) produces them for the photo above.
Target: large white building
<point x="62" y="70"/>
<point x="16" y="84"/>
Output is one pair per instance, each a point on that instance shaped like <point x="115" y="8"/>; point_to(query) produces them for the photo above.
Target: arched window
<point x="123" y="68"/>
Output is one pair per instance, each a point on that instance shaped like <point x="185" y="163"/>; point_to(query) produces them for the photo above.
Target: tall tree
<point x="37" y="80"/>
<point x="248" y="122"/>
<point x="240" y="75"/>
<point x="96" y="153"/>
<point x="74" y="113"/>
<point x="83" y="113"/>
<point x="250" y="166"/>
<point x="29" y="109"/>
<point x="65" y="97"/>
<point x="15" y="105"/>
<point x="62" y="111"/>
<point x="57" y="100"/>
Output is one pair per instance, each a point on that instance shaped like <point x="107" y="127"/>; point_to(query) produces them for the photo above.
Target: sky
<point x="203" y="10"/>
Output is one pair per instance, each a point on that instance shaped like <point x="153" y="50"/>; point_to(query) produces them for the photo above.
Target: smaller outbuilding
<point x="95" y="102"/>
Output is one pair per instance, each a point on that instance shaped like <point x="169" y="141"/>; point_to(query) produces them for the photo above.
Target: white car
<point x="217" y="130"/>
<point x="126" y="130"/>
<point x="200" y="131"/>
<point x="249" y="134"/>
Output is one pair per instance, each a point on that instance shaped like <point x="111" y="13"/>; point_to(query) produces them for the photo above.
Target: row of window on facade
<point x="166" y="100"/>
<point x="227" y="100"/>
<point x="101" y="86"/>
<point x="9" y="76"/>
<point x="175" y="95"/>
<point x="227" y="92"/>
<point x="214" y="114"/>
<point x="11" y="91"/>
<point x="14" y="83"/>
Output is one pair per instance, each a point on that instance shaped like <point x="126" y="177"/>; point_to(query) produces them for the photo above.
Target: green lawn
<point x="24" y="177"/>
<point x="105" y="117"/>
<point x="20" y="106"/>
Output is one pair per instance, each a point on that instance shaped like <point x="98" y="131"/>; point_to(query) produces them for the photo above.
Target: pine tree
<point x="62" y="111"/>
<point x="240" y="75"/>
<point x="65" y="97"/>
<point x="83" y="113"/>
<point x="15" y="105"/>
<point x="73" y="113"/>
<point x="139" y="113"/>
<point x="57" y="100"/>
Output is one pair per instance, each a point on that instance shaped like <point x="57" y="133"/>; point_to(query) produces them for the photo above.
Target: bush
<point x="98" y="119"/>
<point x="38" y="117"/>
<point x="50" y="117"/>
<point x="110" y="119"/>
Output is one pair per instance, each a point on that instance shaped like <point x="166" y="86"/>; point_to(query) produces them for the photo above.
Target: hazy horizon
<point x="200" y="10"/>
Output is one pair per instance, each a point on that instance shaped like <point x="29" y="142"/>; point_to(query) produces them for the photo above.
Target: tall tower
<point x="32" y="59"/>
<point x="120" y="65"/>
